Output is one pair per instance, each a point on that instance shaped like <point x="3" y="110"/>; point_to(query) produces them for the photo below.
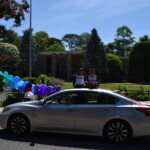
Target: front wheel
<point x="117" y="131"/>
<point x="18" y="124"/>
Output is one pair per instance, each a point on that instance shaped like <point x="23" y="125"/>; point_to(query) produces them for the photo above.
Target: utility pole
<point x="30" y="42"/>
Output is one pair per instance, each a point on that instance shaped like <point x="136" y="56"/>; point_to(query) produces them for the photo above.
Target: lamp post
<point x="30" y="41"/>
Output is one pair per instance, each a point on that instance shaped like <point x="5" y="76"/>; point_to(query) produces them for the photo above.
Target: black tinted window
<point x="107" y="99"/>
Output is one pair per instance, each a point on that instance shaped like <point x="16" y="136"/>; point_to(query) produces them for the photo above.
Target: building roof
<point x="60" y="52"/>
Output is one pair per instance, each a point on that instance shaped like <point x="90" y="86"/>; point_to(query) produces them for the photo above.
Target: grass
<point x="110" y="86"/>
<point x="1" y="104"/>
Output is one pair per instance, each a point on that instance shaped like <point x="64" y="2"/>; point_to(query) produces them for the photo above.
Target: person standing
<point x="93" y="79"/>
<point x="79" y="79"/>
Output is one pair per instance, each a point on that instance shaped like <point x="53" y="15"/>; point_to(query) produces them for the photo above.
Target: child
<point x="93" y="80"/>
<point x="79" y="79"/>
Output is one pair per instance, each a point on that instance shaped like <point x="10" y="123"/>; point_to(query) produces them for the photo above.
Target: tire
<point x="117" y="131"/>
<point x="18" y="124"/>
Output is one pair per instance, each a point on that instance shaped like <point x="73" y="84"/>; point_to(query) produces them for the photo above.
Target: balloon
<point x="10" y="79"/>
<point x="12" y="86"/>
<point x="43" y="90"/>
<point x="5" y="73"/>
<point x="1" y="83"/>
<point x="51" y="90"/>
<point x="34" y="89"/>
<point x="22" y="87"/>
<point x="38" y="90"/>
<point x="18" y="85"/>
<point x="16" y="79"/>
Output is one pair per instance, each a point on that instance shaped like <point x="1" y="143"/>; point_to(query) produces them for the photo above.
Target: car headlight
<point x="5" y="109"/>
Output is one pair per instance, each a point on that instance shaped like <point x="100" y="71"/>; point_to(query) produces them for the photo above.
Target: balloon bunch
<point x="16" y="83"/>
<point x="13" y="82"/>
<point x="43" y="90"/>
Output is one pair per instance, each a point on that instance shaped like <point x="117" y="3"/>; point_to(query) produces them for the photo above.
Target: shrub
<point x="9" y="57"/>
<point x="114" y="64"/>
<point x="33" y="80"/>
<point x="14" y="98"/>
<point x="139" y="62"/>
<point x="54" y="81"/>
<point x="42" y="79"/>
<point x="120" y="87"/>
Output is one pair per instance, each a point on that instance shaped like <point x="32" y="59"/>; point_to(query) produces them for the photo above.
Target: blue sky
<point x="60" y="17"/>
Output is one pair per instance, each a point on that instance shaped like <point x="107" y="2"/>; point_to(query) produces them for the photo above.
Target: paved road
<point x="47" y="141"/>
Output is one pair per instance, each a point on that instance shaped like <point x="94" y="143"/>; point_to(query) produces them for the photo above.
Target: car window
<point x="87" y="98"/>
<point x="107" y="99"/>
<point x="63" y="98"/>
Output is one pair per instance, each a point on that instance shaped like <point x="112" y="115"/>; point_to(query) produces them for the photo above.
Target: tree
<point x="41" y="41"/>
<point x="52" y="41"/>
<point x="114" y="65"/>
<point x="95" y="56"/>
<point x="9" y="57"/>
<point x="144" y="38"/>
<point x="11" y="9"/>
<point x="13" y="38"/>
<point x="24" y="54"/>
<point x="83" y="40"/>
<point x="110" y="48"/>
<point x="55" y="47"/>
<point x="123" y="41"/>
<point x="72" y="41"/>
<point x="139" y="61"/>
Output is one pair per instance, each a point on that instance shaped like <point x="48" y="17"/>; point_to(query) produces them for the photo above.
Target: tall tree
<point x="72" y="41"/>
<point x="55" y="47"/>
<point x="41" y="40"/>
<point x="123" y="41"/>
<point x="11" y="9"/>
<point x="144" y="38"/>
<point x="13" y="38"/>
<point x="95" y="55"/>
<point x="24" y="54"/>
<point x="83" y="40"/>
<point x="52" y="41"/>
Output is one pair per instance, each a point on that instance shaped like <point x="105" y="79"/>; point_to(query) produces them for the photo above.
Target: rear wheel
<point x="117" y="131"/>
<point x="18" y="124"/>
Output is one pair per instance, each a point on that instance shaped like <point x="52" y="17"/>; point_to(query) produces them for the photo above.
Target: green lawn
<point x="111" y="86"/>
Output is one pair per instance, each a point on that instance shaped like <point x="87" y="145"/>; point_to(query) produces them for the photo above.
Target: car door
<point x="90" y="117"/>
<point x="56" y="114"/>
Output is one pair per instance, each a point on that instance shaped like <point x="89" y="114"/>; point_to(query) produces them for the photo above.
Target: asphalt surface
<point x="48" y="141"/>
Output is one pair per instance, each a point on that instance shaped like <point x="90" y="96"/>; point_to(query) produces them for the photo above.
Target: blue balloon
<point x="22" y="87"/>
<point x="16" y="79"/>
<point x="12" y="86"/>
<point x="19" y="84"/>
<point x="34" y="89"/>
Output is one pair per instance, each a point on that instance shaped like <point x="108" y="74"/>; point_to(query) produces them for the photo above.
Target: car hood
<point x="25" y="103"/>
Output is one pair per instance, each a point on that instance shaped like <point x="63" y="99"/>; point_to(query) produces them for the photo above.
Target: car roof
<point x="87" y="90"/>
